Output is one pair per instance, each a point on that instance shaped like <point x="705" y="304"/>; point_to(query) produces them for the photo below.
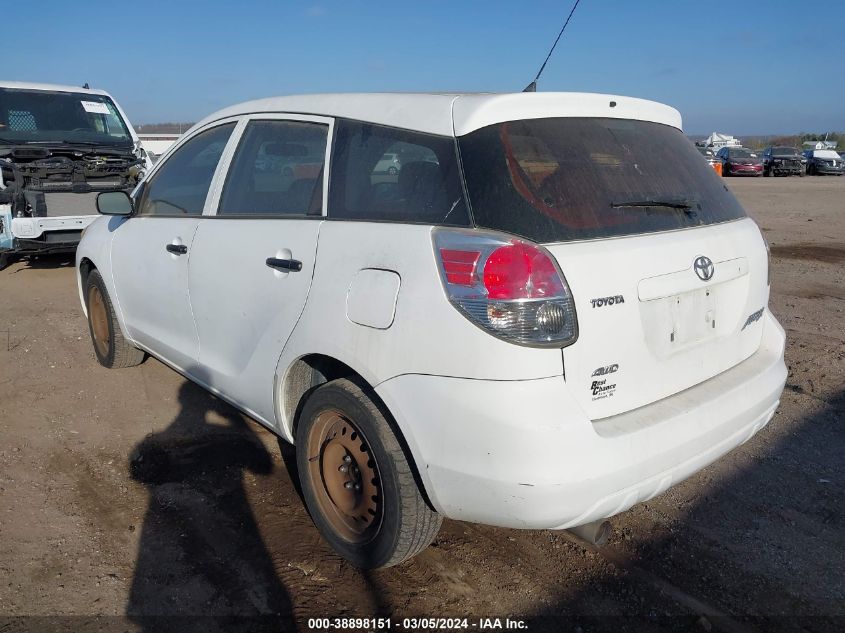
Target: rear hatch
<point x="668" y="276"/>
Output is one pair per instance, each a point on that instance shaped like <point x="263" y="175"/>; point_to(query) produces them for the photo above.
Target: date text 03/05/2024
<point x="416" y="624"/>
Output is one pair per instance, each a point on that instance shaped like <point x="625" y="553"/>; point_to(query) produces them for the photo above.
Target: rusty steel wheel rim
<point x="99" y="320"/>
<point x="345" y="477"/>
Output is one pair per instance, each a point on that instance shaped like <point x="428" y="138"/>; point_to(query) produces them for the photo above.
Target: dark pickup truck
<point x="783" y="161"/>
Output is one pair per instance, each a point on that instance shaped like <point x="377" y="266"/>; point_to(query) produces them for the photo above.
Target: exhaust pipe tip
<point x="596" y="533"/>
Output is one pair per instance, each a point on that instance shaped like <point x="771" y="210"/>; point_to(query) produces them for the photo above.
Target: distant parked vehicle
<point x="782" y="161"/>
<point x="708" y="154"/>
<point x="389" y="164"/>
<point x="824" y="161"/>
<point x="59" y="147"/>
<point x="738" y="161"/>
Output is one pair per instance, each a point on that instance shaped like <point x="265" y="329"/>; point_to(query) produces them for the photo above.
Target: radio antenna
<point x="532" y="87"/>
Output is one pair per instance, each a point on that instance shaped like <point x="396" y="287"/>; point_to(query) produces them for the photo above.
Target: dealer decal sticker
<point x="95" y="107"/>
<point x="600" y="388"/>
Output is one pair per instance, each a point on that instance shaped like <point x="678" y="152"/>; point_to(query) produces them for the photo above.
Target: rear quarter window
<point x="560" y="179"/>
<point x="380" y="173"/>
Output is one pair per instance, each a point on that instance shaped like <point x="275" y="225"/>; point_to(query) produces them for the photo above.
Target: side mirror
<point x="114" y="203"/>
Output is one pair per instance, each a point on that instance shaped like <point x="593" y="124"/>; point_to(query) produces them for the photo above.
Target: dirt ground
<point x="127" y="496"/>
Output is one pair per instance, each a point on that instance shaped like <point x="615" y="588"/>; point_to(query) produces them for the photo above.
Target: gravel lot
<point x="131" y="494"/>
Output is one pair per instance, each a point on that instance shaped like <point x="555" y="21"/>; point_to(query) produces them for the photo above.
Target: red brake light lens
<point x="521" y="271"/>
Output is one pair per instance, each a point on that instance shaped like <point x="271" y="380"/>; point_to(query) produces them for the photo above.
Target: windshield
<point x="784" y="151"/>
<point x="740" y="153"/>
<point x="561" y="179"/>
<point x="39" y="116"/>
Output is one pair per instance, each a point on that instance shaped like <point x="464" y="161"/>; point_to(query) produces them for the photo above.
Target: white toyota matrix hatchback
<point x="554" y="310"/>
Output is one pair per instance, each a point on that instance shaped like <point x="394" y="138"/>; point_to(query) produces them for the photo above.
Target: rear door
<point x="668" y="275"/>
<point x="151" y="250"/>
<point x="253" y="260"/>
<point x="660" y="313"/>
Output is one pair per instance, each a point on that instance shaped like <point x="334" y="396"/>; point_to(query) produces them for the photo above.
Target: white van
<point x="59" y="147"/>
<point x="554" y="311"/>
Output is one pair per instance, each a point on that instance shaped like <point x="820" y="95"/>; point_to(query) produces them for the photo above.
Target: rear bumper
<point x="522" y="454"/>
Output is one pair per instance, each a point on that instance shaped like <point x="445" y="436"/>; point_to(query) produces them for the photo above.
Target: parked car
<point x="389" y="164"/>
<point x="709" y="154"/>
<point x="738" y="161"/>
<point x="782" y="161"/>
<point x="413" y="352"/>
<point x="59" y="147"/>
<point x="823" y="162"/>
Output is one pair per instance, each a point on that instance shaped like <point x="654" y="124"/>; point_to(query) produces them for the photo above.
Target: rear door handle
<point x="177" y="249"/>
<point x="287" y="265"/>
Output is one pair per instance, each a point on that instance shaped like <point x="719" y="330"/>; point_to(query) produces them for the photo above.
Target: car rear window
<point x="561" y="179"/>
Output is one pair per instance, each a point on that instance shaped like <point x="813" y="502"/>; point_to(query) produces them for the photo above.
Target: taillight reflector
<point x="459" y="266"/>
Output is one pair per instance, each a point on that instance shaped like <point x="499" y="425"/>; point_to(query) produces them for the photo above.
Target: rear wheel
<point x="357" y="481"/>
<point x="110" y="347"/>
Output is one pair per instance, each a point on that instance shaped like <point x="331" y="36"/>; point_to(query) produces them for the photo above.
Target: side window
<point x="180" y="186"/>
<point x="387" y="174"/>
<point x="277" y="170"/>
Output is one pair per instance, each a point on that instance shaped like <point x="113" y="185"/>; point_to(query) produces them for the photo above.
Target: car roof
<point x="25" y="85"/>
<point x="457" y="114"/>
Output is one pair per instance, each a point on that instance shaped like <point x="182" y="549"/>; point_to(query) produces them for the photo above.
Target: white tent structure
<point x="718" y="141"/>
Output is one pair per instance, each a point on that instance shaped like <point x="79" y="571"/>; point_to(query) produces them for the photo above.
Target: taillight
<point x="507" y="286"/>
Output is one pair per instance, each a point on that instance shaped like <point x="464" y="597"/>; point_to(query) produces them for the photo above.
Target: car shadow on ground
<point x="739" y="559"/>
<point x="202" y="563"/>
<point x="748" y="552"/>
<point x="49" y="261"/>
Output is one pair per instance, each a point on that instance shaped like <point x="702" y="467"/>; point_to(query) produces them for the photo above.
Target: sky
<point x="740" y="67"/>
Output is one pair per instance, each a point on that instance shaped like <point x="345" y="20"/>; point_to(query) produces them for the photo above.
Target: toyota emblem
<point x="704" y="268"/>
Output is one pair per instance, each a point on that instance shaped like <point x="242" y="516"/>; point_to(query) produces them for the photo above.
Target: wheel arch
<point x="85" y="267"/>
<point x="308" y="372"/>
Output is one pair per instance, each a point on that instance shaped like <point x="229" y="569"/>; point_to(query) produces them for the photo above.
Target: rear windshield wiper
<point x="682" y="204"/>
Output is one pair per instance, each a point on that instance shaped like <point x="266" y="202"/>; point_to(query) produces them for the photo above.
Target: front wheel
<point x="357" y="480"/>
<point x="110" y="347"/>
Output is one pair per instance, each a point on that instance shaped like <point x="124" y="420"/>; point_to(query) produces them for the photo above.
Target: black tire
<point x="399" y="523"/>
<point x="110" y="347"/>
<point x="392" y="171"/>
<point x="767" y="172"/>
